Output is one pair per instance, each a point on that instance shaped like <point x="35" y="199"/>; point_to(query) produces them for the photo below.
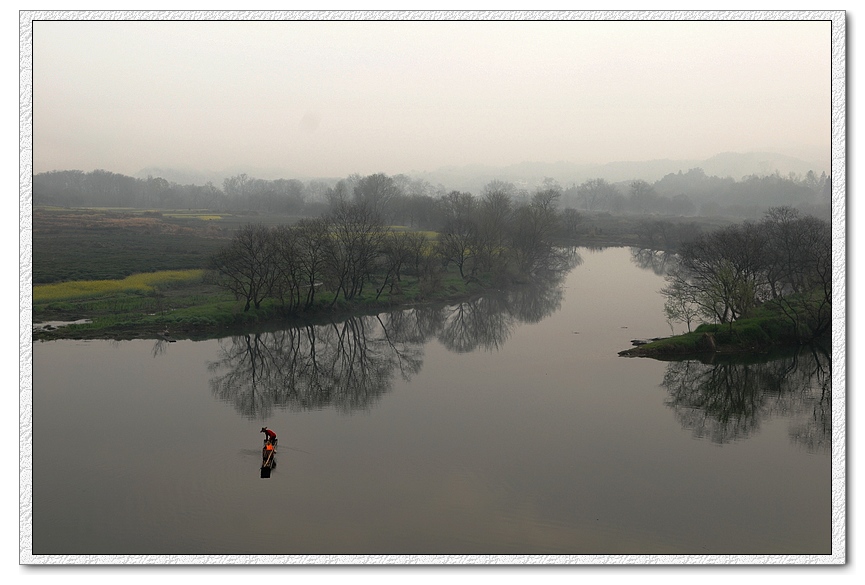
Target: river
<point x="507" y="425"/>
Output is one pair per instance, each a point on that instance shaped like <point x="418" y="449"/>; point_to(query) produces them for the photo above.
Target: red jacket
<point x="270" y="434"/>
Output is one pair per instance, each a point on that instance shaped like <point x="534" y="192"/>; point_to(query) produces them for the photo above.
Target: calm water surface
<point x="508" y="425"/>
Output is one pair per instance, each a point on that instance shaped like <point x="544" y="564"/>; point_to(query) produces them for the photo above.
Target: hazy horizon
<point x="332" y="98"/>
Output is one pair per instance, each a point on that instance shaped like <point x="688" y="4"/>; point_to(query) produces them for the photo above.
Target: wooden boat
<point x="268" y="457"/>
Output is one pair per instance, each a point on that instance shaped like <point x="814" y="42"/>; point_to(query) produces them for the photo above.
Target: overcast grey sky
<point x="333" y="98"/>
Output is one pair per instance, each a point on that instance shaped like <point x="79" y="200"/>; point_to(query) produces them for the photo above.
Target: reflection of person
<point x="266" y="453"/>
<point x="268" y="457"/>
<point x="269" y="435"/>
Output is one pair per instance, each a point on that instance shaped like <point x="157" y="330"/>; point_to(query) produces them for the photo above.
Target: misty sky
<point x="327" y="99"/>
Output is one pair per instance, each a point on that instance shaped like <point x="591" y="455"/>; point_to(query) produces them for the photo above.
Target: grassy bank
<point x="758" y="334"/>
<point x="137" y="272"/>
<point x="183" y="304"/>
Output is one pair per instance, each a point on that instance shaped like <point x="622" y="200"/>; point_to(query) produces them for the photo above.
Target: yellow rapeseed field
<point x="144" y="282"/>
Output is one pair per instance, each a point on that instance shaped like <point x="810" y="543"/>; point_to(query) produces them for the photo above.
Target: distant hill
<point x="472" y="178"/>
<point x="187" y="176"/>
<point x="738" y="165"/>
<point x="182" y="176"/>
<point x="528" y="175"/>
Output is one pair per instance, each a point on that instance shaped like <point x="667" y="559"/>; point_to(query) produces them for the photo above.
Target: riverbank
<point x="753" y="335"/>
<point x="192" y="308"/>
<point x="110" y="267"/>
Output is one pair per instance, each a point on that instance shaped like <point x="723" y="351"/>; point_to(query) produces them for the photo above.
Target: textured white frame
<point x="839" y="340"/>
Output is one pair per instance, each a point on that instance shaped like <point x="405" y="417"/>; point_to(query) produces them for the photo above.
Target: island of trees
<point x="351" y="249"/>
<point x="753" y="285"/>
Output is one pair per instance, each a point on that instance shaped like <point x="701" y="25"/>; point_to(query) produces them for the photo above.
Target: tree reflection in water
<point x="658" y="261"/>
<point x="727" y="400"/>
<point x="350" y="364"/>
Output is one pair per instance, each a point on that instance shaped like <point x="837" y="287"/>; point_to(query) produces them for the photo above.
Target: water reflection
<point x="268" y="458"/>
<point x="159" y="347"/>
<point x="349" y="365"/>
<point x="727" y="400"/>
<point x="346" y="365"/>
<point x="488" y="321"/>
<point x="658" y="261"/>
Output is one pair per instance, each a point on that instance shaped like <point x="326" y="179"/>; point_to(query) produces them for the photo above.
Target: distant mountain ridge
<point x="528" y="175"/>
<point x="729" y="164"/>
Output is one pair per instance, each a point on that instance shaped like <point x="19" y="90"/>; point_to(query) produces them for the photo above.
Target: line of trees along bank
<point x="350" y="250"/>
<point x="783" y="261"/>
<point x="412" y="201"/>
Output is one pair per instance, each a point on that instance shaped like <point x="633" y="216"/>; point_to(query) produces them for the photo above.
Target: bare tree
<point x="571" y="220"/>
<point x="536" y="226"/>
<point x="313" y="238"/>
<point x="398" y="249"/>
<point x="798" y="268"/>
<point x="494" y="216"/>
<point x="680" y="304"/>
<point x="288" y="268"/>
<point x="357" y="240"/>
<point x="247" y="267"/>
<point x="457" y="238"/>
<point x="595" y="193"/>
<point x="377" y="193"/>
<point x="724" y="268"/>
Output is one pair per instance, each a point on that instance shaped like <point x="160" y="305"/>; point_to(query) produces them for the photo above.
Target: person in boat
<point x="269" y="435"/>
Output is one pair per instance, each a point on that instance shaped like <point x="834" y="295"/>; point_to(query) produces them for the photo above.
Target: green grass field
<point x="105" y="244"/>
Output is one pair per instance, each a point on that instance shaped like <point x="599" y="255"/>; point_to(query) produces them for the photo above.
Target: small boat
<point x="268" y="457"/>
